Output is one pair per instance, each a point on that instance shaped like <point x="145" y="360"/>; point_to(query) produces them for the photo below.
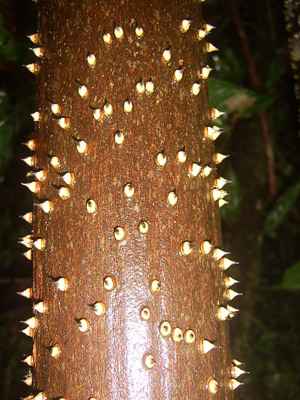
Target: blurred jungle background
<point x="254" y="83"/>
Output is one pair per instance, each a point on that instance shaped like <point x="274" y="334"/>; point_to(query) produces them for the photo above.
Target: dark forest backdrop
<point x="253" y="81"/>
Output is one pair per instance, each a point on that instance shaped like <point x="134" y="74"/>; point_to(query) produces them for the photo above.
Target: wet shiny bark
<point x="109" y="361"/>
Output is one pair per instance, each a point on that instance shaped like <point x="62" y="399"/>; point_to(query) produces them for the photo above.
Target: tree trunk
<point x="129" y="298"/>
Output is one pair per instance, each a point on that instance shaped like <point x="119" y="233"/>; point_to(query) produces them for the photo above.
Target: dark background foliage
<point x="253" y="81"/>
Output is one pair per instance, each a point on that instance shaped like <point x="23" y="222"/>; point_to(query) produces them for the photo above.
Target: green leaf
<point x="232" y="98"/>
<point x="291" y="277"/>
<point x="281" y="209"/>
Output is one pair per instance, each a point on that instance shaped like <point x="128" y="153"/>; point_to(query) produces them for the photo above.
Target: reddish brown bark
<point x="108" y="361"/>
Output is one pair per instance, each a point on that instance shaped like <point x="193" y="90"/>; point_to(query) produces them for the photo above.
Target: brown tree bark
<point x="125" y="288"/>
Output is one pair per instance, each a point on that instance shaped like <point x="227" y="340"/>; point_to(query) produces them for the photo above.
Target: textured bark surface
<point x="108" y="361"/>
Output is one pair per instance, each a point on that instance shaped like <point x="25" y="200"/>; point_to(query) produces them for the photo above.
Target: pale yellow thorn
<point x="83" y="91"/>
<point x="219" y="183"/>
<point x="40" y="307"/>
<point x="205" y="72"/>
<point x="225" y="263"/>
<point x="38" y="51"/>
<point x="31" y="144"/>
<point x="83" y="325"/>
<point x="234" y="384"/>
<point x="210" y="48"/>
<point x="55" y="162"/>
<point x="91" y="59"/>
<point x="236" y="371"/>
<point x="47" y="206"/>
<point x="119" y="233"/>
<point x="108" y="109"/>
<point x="223" y="313"/>
<point x="27" y="217"/>
<point x="167" y="55"/>
<point x="218" y="158"/>
<point x="26" y="293"/>
<point x="55" y="108"/>
<point x="194" y="169"/>
<point x="128" y="106"/>
<point x="64" y="123"/>
<point x="36" y="116"/>
<point x="29" y="361"/>
<point x="205" y="346"/>
<point x="149" y="86"/>
<point x="81" y="146"/>
<point x="68" y="178"/>
<point x="186" y="248"/>
<point x="28" y="331"/>
<point x="205" y="172"/>
<point x="32" y="322"/>
<point x="35" y="38"/>
<point x="228" y="281"/>
<point x="222" y="203"/>
<point x="201" y="33"/>
<point x="172" y="198"/>
<point x="218" y="253"/>
<point x="195" y="89"/>
<point x="64" y="193"/>
<point x="208" y="27"/>
<point x="140" y="87"/>
<point x="178" y="74"/>
<point x="161" y="159"/>
<point x="215" y="113"/>
<point x="139" y="31"/>
<point x="33" y="68"/>
<point x="118" y="32"/>
<point x="213" y="386"/>
<point x="28" y="254"/>
<point x="206" y="247"/>
<point x="181" y="156"/>
<point x="218" y="194"/>
<point x="231" y="294"/>
<point x="55" y="351"/>
<point x="34" y="187"/>
<point x="107" y="38"/>
<point x="185" y="25"/>
<point x="99" y="308"/>
<point x="30" y="161"/>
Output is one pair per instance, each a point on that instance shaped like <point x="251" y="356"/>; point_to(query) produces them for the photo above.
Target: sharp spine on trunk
<point x="167" y="55"/>
<point x="219" y="183"/>
<point x="228" y="281"/>
<point x="186" y="248"/>
<point x="62" y="284"/>
<point x="91" y="59"/>
<point x="83" y="91"/>
<point x="225" y="263"/>
<point x="38" y="51"/>
<point x="32" y="322"/>
<point x="139" y="31"/>
<point x="236" y="371"/>
<point x="29" y="360"/>
<point x="223" y="313"/>
<point x="31" y="144"/>
<point x="33" y="67"/>
<point x="178" y="74"/>
<point x="155" y="286"/>
<point x="189" y="336"/>
<point x="149" y="361"/>
<point x="55" y="351"/>
<point x="212" y="386"/>
<point x="46" y="206"/>
<point x="206" y="247"/>
<point x="30" y="161"/>
<point x="99" y="308"/>
<point x="165" y="329"/>
<point x="194" y="169"/>
<point x="218" y="253"/>
<point x="108" y="108"/>
<point x="234" y="384"/>
<point x="195" y="89"/>
<point x="55" y="162"/>
<point x="35" y="38"/>
<point x="231" y="294"/>
<point x="205" y="172"/>
<point x="40" y="307"/>
<point x="64" y="193"/>
<point x="55" y="108"/>
<point x="215" y="114"/>
<point x="26" y="293"/>
<point x="210" y="47"/>
<point x="218" y="194"/>
<point x="145" y="314"/>
<point x="205" y="72"/>
<point x="107" y="37"/>
<point x="118" y="32"/>
<point x="91" y="206"/>
<point x="205" y="346"/>
<point x="143" y="227"/>
<point x="129" y="190"/>
<point x="27" y="217"/>
<point x="36" y="116"/>
<point x="64" y="122"/>
<point x="119" y="233"/>
<point x="68" y="178"/>
<point x="177" y="335"/>
<point x="28" y="379"/>
<point x="128" y="106"/>
<point x="161" y="159"/>
<point x="28" y="254"/>
<point x="181" y="156"/>
<point x="150" y="86"/>
<point x="83" y="325"/>
<point x="218" y="158"/>
<point x="140" y="87"/>
<point x="109" y="283"/>
<point x="185" y="25"/>
<point x="212" y="133"/>
<point x="172" y="198"/>
<point x="28" y="331"/>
